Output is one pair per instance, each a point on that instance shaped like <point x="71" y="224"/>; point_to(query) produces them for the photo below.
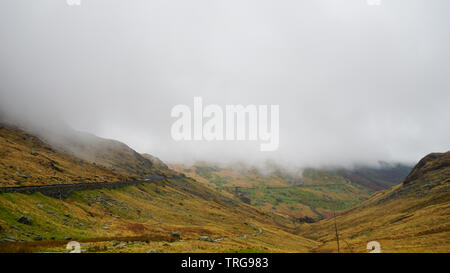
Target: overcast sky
<point x="355" y="83"/>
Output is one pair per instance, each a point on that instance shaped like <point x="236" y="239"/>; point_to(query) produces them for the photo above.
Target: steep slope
<point x="26" y="160"/>
<point x="108" y="153"/>
<point x="435" y="163"/>
<point x="411" y="217"/>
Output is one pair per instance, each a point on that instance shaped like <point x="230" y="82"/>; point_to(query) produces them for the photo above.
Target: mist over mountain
<point x="356" y="84"/>
<point x="208" y="126"/>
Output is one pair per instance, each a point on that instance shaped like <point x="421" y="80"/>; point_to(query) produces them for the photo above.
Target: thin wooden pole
<point x="336" y="230"/>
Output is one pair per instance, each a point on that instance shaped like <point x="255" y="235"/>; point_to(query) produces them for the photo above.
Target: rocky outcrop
<point x="25" y="220"/>
<point x="205" y="238"/>
<point x="431" y="162"/>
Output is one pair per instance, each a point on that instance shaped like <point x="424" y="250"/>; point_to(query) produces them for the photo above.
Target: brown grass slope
<point x="27" y="160"/>
<point x="108" y="153"/>
<point x="143" y="217"/>
<point x="411" y="217"/>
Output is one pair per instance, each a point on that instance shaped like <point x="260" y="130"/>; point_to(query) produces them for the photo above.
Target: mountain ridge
<point x="410" y="217"/>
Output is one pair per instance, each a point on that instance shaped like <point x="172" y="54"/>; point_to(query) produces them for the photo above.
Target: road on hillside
<point x="64" y="190"/>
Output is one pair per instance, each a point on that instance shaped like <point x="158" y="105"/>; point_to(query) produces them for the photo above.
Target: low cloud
<point x="355" y="83"/>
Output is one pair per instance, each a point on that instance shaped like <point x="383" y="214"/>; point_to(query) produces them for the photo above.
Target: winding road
<point x="63" y="191"/>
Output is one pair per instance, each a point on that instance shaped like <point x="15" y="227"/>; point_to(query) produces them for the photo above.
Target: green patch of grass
<point x="313" y="196"/>
<point x="50" y="219"/>
<point x="323" y="176"/>
<point x="220" y="181"/>
<point x="205" y="172"/>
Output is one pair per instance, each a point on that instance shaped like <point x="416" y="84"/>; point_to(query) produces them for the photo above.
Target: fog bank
<point x="355" y="83"/>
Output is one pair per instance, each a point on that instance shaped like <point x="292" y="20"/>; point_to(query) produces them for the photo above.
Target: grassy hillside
<point x="27" y="160"/>
<point x="144" y="218"/>
<point x="108" y="153"/>
<point x="411" y="217"/>
<point x="309" y="195"/>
